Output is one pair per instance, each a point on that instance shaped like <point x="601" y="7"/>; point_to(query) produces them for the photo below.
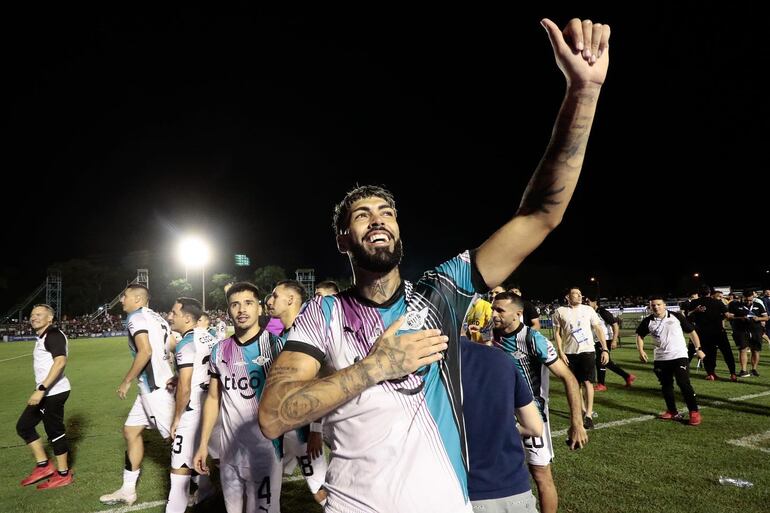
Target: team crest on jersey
<point x="518" y="354"/>
<point x="260" y="360"/>
<point x="416" y="320"/>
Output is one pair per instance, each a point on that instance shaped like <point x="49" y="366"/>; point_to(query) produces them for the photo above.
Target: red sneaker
<point x="38" y="473"/>
<point x="670" y="415"/>
<point x="711" y="377"/>
<point x="630" y="379"/>
<point x="600" y="388"/>
<point x="694" y="418"/>
<point x="56" y="481"/>
<point x="733" y="377"/>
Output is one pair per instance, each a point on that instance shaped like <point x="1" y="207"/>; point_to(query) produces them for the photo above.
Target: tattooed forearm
<point x="554" y="181"/>
<point x="297" y="403"/>
<point x="539" y="197"/>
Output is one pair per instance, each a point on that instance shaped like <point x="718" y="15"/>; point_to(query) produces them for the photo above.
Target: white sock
<point x="177" y="495"/>
<point x="323" y="502"/>
<point x="129" y="480"/>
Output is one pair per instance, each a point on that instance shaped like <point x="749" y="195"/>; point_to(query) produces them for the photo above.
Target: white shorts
<point x="249" y="489"/>
<point x="154" y="411"/>
<point x="539" y="450"/>
<point x="188" y="436"/>
<point x="295" y="453"/>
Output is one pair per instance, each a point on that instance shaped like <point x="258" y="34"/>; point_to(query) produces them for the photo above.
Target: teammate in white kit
<point x="148" y="340"/>
<point x="192" y="358"/>
<point x="250" y="466"/>
<point x="394" y="404"/>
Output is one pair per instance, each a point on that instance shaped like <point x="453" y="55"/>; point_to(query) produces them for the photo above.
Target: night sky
<point x="129" y="126"/>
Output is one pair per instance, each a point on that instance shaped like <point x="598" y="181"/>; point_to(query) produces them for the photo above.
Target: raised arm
<point x="582" y="53"/>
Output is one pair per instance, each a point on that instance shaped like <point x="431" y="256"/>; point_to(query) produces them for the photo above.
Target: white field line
<point x="147" y="505"/>
<point x="751" y="441"/>
<point x="9" y="359"/>
<point x="643" y="418"/>
<point x="135" y="507"/>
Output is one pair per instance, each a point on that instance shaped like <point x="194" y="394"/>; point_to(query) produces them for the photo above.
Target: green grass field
<point x="640" y="465"/>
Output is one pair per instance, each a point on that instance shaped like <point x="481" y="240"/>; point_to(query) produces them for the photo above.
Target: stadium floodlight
<point x="595" y="280"/>
<point x="194" y="252"/>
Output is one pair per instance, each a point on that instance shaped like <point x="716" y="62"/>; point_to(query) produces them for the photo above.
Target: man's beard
<point x="382" y="261"/>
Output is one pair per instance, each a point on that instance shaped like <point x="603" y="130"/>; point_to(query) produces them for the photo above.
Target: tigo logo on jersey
<point x="243" y="384"/>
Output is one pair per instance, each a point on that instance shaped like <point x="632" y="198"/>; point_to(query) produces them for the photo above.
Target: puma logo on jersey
<point x="416" y="320"/>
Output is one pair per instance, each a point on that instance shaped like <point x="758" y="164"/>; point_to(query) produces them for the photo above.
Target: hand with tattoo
<point x="394" y="356"/>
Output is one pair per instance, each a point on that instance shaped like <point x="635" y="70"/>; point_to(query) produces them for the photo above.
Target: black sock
<point x="42" y="463"/>
<point x="64" y="472"/>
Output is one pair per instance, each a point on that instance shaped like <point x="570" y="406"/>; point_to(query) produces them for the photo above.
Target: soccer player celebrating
<point x="394" y="405"/>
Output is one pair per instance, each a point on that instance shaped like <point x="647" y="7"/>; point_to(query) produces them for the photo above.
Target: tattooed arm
<point x="582" y="53"/>
<point x="294" y="396"/>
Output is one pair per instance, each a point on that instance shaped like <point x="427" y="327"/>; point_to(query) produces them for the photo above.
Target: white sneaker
<point x="119" y="496"/>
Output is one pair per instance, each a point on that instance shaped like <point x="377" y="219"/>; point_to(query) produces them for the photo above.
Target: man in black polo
<point x="612" y="333"/>
<point x="746" y="317"/>
<point x="707" y="313"/>
<point x="46" y="403"/>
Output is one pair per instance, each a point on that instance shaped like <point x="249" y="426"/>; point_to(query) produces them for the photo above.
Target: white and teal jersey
<point x="158" y="369"/>
<point x="194" y="351"/>
<point x="533" y="353"/>
<point x="221" y="330"/>
<point x="241" y="368"/>
<point x="400" y="445"/>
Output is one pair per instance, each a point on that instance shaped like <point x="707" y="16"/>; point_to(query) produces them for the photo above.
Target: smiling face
<point x="40" y="318"/>
<point x="373" y="238"/>
<point x="178" y="320"/>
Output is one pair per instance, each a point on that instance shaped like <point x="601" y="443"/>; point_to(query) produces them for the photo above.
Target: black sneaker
<point x="754" y="372"/>
<point x="744" y="374"/>
<point x="588" y="423"/>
